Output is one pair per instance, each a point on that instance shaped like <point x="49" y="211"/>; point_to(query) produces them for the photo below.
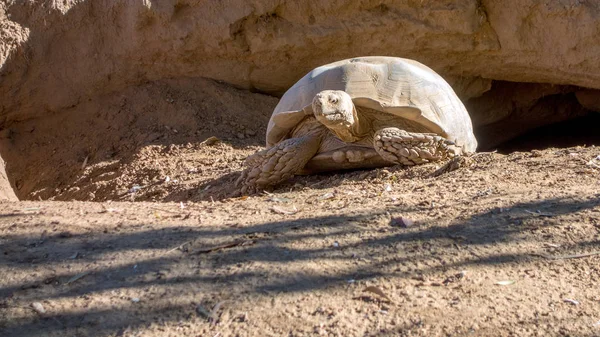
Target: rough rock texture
<point x="54" y="55"/>
<point x="6" y="191"/>
<point x="76" y="49"/>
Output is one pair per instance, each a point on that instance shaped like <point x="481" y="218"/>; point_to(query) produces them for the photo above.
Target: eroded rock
<point x="70" y="50"/>
<point x="6" y="191"/>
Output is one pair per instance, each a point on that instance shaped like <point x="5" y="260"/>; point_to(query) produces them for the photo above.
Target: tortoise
<point x="364" y="112"/>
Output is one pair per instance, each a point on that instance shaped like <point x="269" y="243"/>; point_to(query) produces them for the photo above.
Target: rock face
<point x="69" y="50"/>
<point x="56" y="54"/>
<point x="6" y="191"/>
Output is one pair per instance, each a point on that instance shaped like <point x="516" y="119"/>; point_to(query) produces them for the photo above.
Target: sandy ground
<point x="490" y="249"/>
<point x="507" y="245"/>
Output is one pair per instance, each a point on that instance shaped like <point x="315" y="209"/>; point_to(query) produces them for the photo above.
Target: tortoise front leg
<point x="274" y="165"/>
<point x="410" y="148"/>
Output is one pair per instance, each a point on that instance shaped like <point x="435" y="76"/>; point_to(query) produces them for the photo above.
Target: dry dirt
<point x="491" y="249"/>
<point x="132" y="226"/>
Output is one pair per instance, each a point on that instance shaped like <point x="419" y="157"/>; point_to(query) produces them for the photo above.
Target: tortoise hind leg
<point x="274" y="165"/>
<point x="412" y="148"/>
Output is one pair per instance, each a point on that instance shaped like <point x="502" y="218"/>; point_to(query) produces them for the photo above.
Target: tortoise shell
<point x="393" y="85"/>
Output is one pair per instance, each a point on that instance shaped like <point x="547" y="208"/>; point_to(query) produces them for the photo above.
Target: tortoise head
<point x="335" y="110"/>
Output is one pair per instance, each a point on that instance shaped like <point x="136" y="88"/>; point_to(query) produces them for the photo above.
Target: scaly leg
<point x="408" y="148"/>
<point x="274" y="165"/>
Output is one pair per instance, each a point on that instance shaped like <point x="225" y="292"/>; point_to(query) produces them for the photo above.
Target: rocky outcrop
<point x="69" y="50"/>
<point x="6" y="191"/>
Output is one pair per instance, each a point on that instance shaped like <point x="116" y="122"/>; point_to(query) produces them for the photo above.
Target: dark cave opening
<point x="514" y="116"/>
<point x="580" y="131"/>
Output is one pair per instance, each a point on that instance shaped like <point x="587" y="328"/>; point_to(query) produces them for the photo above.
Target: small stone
<point x="65" y="235"/>
<point x="210" y="141"/>
<point x="402" y="222"/>
<point x="327" y="196"/>
<point x="38" y="307"/>
<point x="135" y="188"/>
<point x="135" y="300"/>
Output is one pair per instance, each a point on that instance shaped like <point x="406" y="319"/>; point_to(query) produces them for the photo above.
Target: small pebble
<point x="135" y="188"/>
<point x="401" y="222"/>
<point x="38" y="307"/>
<point x="65" y="235"/>
<point x="210" y="140"/>
<point x="326" y="196"/>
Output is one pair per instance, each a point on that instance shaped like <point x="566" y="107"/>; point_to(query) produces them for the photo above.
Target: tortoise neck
<point x="362" y="125"/>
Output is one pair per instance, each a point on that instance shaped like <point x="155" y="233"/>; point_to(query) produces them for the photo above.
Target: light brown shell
<point x="398" y="86"/>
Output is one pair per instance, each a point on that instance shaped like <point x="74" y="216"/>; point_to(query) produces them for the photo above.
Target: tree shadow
<point x="265" y="265"/>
